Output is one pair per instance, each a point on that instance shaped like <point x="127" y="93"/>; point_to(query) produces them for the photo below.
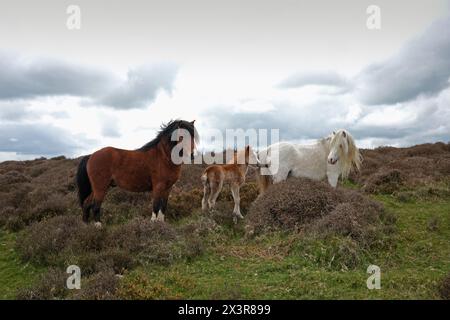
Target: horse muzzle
<point x="333" y="161"/>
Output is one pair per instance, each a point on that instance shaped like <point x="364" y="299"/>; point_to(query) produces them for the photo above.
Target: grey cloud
<point x="420" y="120"/>
<point x="42" y="139"/>
<point x="295" y="122"/>
<point x="421" y="67"/>
<point x="141" y="86"/>
<point x="14" y="111"/>
<point x="25" y="78"/>
<point x="318" y="78"/>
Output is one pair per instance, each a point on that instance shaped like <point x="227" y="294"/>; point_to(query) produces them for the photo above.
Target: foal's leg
<point x="215" y="187"/>
<point x="237" y="200"/>
<point x="206" y="193"/>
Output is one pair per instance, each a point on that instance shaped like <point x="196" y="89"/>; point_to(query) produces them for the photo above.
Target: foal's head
<point x="247" y="156"/>
<point x="344" y="150"/>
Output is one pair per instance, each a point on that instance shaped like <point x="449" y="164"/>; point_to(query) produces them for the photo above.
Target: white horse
<point x="329" y="157"/>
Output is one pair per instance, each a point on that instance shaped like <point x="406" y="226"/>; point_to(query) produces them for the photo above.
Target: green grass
<point x="13" y="273"/>
<point x="414" y="260"/>
<point x="411" y="266"/>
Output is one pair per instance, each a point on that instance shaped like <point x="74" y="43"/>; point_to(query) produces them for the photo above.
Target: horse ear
<point x="344" y="134"/>
<point x="334" y="132"/>
<point x="192" y="122"/>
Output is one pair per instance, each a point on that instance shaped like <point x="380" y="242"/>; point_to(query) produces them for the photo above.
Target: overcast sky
<point x="304" y="67"/>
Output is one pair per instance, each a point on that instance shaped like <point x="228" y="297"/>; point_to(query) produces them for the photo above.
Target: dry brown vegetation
<point x="390" y="170"/>
<point x="38" y="198"/>
<point x="306" y="205"/>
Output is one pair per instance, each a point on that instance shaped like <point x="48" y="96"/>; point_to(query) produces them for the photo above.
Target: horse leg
<point x="163" y="208"/>
<point x="281" y="175"/>
<point x="160" y="197"/>
<point x="333" y="177"/>
<point x="96" y="208"/>
<point x="156" y="206"/>
<point x="237" y="210"/>
<point x="206" y="192"/>
<point x="215" y="190"/>
<point x="87" y="206"/>
<point x="97" y="200"/>
<point x="263" y="182"/>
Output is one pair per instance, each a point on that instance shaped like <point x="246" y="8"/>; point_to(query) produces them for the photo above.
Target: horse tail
<point x="83" y="182"/>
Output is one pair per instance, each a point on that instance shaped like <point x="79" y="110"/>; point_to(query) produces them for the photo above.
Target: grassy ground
<point x="411" y="265"/>
<point x="13" y="273"/>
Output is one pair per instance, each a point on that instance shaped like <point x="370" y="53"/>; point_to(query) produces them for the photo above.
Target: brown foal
<point x="234" y="173"/>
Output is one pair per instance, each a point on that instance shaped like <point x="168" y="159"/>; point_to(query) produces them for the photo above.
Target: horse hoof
<point x="98" y="224"/>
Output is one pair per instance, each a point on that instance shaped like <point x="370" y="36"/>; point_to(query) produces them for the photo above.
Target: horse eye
<point x="340" y="145"/>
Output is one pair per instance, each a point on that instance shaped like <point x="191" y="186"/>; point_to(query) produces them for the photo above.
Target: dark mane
<point x="166" y="131"/>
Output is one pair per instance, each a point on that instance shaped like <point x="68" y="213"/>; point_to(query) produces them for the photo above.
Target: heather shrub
<point x="385" y="181"/>
<point x="51" y="285"/>
<point x="290" y="204"/>
<point x="138" y="287"/>
<point x="42" y="242"/>
<point x="303" y="204"/>
<point x="184" y="203"/>
<point x="100" y="286"/>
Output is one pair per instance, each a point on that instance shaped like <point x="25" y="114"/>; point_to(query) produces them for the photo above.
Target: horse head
<point x="343" y="150"/>
<point x="185" y="136"/>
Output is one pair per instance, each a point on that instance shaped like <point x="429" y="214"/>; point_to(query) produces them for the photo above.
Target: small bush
<point x="139" y="233"/>
<point x="290" y="204"/>
<point x="101" y="286"/>
<point x="139" y="287"/>
<point x="316" y="207"/>
<point x="51" y="285"/>
<point x="43" y="241"/>
<point x="183" y="204"/>
<point x="386" y="181"/>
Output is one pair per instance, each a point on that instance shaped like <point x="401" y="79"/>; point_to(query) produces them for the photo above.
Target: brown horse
<point x="234" y="173"/>
<point x="149" y="168"/>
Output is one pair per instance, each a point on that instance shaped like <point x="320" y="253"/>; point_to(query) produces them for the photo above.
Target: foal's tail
<point x="83" y="183"/>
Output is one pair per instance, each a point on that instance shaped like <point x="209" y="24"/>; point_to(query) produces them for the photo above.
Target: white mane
<point x="351" y="158"/>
